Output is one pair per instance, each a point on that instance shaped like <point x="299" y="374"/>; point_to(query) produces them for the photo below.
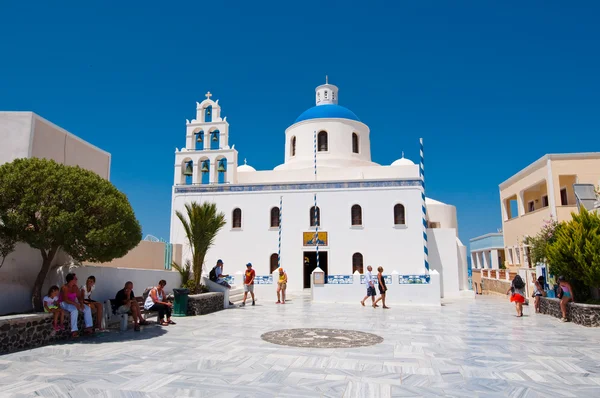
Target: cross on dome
<point x="245" y="161"/>
<point x="208" y="95"/>
<point x="326" y="79"/>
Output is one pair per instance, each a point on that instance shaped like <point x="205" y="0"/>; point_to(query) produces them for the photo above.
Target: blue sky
<point x="490" y="86"/>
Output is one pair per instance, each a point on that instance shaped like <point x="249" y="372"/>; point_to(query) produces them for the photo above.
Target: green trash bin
<point x="180" y="302"/>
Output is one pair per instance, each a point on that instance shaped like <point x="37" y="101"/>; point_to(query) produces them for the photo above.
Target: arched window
<point x="356" y="215"/>
<point x="208" y="114"/>
<point x="199" y="140"/>
<point x="357" y="263"/>
<point x="293" y="146"/>
<point x="399" y="216"/>
<point x="354" y="143"/>
<point x="188" y="172"/>
<point x="312" y="216"/>
<point x="205" y="170"/>
<point x="322" y="141"/>
<point x="215" y="139"/>
<point x="274" y="217"/>
<point x="237" y="218"/>
<point x="274" y="262"/>
<point x="222" y="171"/>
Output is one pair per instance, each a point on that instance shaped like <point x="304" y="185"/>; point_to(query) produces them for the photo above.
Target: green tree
<point x="201" y="223"/>
<point x="538" y="244"/>
<point x="575" y="253"/>
<point x="53" y="207"/>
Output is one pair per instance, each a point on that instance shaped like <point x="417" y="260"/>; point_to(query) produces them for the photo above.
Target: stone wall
<point x="582" y="314"/>
<point x="202" y="304"/>
<point x="18" y="332"/>
<point x="494" y="286"/>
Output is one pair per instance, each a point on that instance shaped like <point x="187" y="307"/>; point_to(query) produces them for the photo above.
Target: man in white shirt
<point x="370" y="287"/>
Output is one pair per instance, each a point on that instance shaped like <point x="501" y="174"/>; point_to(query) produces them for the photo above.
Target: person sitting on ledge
<point x="86" y="296"/>
<point x="69" y="301"/>
<point x="567" y="295"/>
<point x="155" y="302"/>
<point x="125" y="303"/>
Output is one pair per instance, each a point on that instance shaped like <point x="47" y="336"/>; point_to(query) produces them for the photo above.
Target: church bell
<point x="199" y="139"/>
<point x="215" y="137"/>
<point x="204" y="168"/>
<point x="189" y="171"/>
<point x="221" y="168"/>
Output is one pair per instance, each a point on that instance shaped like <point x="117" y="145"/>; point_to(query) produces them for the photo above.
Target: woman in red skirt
<point x="517" y="289"/>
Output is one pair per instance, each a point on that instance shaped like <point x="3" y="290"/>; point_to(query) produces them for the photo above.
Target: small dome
<point x="403" y="162"/>
<point x="327" y="111"/>
<point x="245" y="168"/>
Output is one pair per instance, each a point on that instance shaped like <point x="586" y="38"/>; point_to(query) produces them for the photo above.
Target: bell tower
<point x="207" y="157"/>
<point x="326" y="94"/>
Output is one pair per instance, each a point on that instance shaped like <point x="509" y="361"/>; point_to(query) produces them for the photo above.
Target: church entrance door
<point x="310" y="263"/>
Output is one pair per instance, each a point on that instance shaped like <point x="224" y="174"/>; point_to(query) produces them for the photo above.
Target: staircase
<point x="236" y="294"/>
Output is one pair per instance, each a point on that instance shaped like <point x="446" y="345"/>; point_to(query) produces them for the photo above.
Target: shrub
<point x="575" y="253"/>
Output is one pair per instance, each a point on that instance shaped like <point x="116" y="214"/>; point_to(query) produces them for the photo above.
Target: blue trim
<point x="413" y="279"/>
<point x="263" y="279"/>
<point x="205" y="174"/>
<point x="299" y="186"/>
<point x="387" y="278"/>
<point x="214" y="145"/>
<point x="340" y="279"/>
<point x="327" y="111"/>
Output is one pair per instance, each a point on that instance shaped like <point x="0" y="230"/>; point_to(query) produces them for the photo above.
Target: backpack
<point x="212" y="275"/>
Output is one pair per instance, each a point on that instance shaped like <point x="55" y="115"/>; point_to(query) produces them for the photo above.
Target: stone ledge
<point x="205" y="303"/>
<point x="24" y="331"/>
<point x="581" y="314"/>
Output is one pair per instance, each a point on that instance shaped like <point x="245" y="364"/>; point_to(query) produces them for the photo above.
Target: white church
<point x="367" y="213"/>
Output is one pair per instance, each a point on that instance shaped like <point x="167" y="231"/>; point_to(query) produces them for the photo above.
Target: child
<point x="538" y="292"/>
<point x="51" y="305"/>
<point x="518" y="294"/>
<point x="567" y="295"/>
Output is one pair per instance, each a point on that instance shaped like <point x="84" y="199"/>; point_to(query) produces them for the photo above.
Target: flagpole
<point x="316" y="208"/>
<point x="423" y="206"/>
<point x="279" y="249"/>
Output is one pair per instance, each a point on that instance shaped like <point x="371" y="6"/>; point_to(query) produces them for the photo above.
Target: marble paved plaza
<point x="466" y="348"/>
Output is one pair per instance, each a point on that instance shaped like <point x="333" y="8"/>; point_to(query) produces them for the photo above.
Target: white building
<point x="368" y="214"/>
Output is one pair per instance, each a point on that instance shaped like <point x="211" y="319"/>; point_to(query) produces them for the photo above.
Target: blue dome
<point x="328" y="111"/>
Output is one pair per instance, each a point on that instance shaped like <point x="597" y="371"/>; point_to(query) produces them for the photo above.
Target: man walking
<point x="249" y="283"/>
<point x="370" y="287"/>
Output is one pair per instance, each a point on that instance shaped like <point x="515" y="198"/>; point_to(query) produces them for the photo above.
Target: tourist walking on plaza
<point x="567" y="295"/>
<point x="281" y="286"/>
<point x="370" y="287"/>
<point x="249" y="283"/>
<point x="125" y="303"/>
<point x="538" y="292"/>
<point x="517" y="289"/>
<point x="156" y="302"/>
<point x="86" y="296"/>
<point x="51" y="305"/>
<point x="69" y="297"/>
<point x="382" y="288"/>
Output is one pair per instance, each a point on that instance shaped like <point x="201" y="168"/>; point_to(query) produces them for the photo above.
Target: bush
<point x="193" y="288"/>
<point x="575" y="253"/>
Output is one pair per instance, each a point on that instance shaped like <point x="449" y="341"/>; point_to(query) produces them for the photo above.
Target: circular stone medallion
<point x="321" y="338"/>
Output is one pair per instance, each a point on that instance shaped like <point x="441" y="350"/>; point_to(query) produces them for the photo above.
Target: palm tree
<point x="201" y="223"/>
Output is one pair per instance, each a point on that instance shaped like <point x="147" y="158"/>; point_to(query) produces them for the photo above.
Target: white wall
<point x="381" y="243"/>
<point x="397" y="294"/>
<point x="110" y="280"/>
<point x="443" y="258"/>
<point x="15" y="135"/>
<point x="339" y="144"/>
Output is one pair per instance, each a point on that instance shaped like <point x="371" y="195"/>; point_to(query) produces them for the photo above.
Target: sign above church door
<point x="308" y="238"/>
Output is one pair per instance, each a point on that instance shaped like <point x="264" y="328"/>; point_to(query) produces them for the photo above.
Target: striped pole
<point x="423" y="206"/>
<point x="279" y="249"/>
<point x="316" y="211"/>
